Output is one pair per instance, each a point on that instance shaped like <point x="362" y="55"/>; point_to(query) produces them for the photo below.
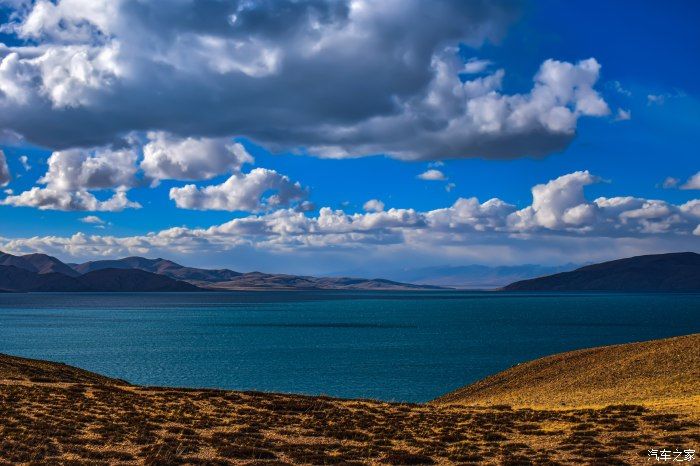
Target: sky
<point x="354" y="135"/>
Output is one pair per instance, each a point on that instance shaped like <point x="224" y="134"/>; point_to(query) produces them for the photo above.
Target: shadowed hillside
<point x="52" y="413"/>
<point x="658" y="272"/>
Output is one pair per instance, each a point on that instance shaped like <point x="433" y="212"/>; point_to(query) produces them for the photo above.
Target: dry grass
<point x="660" y="373"/>
<point x="55" y="414"/>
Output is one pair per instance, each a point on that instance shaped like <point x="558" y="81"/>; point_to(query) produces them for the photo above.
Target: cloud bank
<point x="559" y="225"/>
<point x="337" y="79"/>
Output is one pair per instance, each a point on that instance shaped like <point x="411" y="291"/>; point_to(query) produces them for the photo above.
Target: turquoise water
<point x="391" y="346"/>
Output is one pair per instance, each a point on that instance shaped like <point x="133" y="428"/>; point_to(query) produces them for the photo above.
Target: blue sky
<point x="647" y="52"/>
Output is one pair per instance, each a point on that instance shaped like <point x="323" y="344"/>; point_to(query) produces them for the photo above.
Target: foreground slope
<point x="52" y="414"/>
<point x="658" y="272"/>
<point x="654" y="373"/>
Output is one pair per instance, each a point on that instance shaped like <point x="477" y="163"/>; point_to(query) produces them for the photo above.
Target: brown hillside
<point x="654" y="373"/>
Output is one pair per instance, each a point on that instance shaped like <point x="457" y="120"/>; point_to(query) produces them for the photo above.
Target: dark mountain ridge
<point x="159" y="266"/>
<point x="14" y="279"/>
<point x="657" y="272"/>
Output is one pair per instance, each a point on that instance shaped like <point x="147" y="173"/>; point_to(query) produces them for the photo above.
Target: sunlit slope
<point x="654" y="373"/>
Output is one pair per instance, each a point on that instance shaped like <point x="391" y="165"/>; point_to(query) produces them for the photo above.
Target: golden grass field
<point x="600" y="406"/>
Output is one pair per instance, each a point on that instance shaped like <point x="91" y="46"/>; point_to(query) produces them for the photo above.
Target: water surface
<point x="411" y="346"/>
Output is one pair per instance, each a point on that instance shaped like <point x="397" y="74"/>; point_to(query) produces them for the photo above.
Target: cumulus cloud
<point x="288" y="74"/>
<point x="373" y="205"/>
<point x="81" y="200"/>
<point x="558" y="204"/>
<point x="454" y="119"/>
<point x="169" y="157"/>
<point x="73" y="173"/>
<point x="693" y="182"/>
<point x="561" y="223"/>
<point x="24" y="160"/>
<point x="432" y="175"/>
<point x="670" y="182"/>
<point x="92" y="219"/>
<point x="261" y="189"/>
<point x="4" y="170"/>
<point x="82" y="169"/>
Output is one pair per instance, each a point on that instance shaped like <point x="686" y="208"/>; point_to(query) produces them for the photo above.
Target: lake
<point x="400" y="346"/>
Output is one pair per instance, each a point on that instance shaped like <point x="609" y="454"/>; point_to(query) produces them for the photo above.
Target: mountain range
<point x="42" y="273"/>
<point x="658" y="272"/>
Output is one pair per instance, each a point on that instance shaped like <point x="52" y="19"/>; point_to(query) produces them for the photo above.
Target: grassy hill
<point x="654" y="373"/>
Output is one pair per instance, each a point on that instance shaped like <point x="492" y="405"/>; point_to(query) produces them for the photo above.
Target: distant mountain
<point x="39" y="263"/>
<point x="161" y="267"/>
<point x="257" y="280"/>
<point x="17" y="279"/>
<point x="48" y="264"/>
<point x="16" y="261"/>
<point x="224" y="279"/>
<point x="658" y="272"/>
<point x="14" y="279"/>
<point x="475" y="276"/>
<point x="39" y="272"/>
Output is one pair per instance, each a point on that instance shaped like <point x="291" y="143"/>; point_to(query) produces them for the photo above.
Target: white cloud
<point x="623" y="115"/>
<point x="24" y="160"/>
<point x="261" y="189"/>
<point x="477" y="119"/>
<point x="658" y="99"/>
<point x="169" y="157"/>
<point x="558" y="204"/>
<point x="475" y="66"/>
<point x="373" y="205"/>
<point x="286" y="74"/>
<point x="81" y="200"/>
<point x="73" y="173"/>
<point x="75" y="169"/>
<point x="670" y="182"/>
<point x="4" y="170"/>
<point x="693" y="182"/>
<point x="92" y="219"/>
<point x="617" y="87"/>
<point x="432" y="175"/>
